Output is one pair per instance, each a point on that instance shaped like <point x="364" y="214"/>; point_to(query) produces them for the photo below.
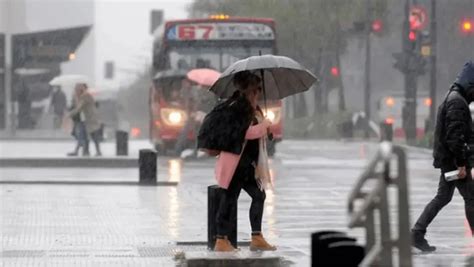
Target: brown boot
<point x="260" y="244"/>
<point x="223" y="245"/>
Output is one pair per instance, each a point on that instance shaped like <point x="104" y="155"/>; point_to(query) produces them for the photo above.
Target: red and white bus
<point x="216" y="43"/>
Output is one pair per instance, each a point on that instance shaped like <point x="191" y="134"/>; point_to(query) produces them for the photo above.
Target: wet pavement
<point x="129" y="225"/>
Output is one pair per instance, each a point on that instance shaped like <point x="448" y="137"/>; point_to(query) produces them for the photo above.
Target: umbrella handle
<point x="270" y="135"/>
<point x="263" y="90"/>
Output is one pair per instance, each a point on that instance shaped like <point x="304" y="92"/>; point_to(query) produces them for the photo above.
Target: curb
<point x="69" y="163"/>
<point x="102" y="183"/>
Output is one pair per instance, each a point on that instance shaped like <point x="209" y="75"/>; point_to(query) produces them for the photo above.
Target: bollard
<point x="331" y="248"/>
<point x="214" y="194"/>
<point x="386" y="131"/>
<point x="147" y="166"/>
<point x="121" y="141"/>
<point x="317" y="249"/>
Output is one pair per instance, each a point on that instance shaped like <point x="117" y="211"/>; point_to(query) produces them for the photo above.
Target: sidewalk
<point x="53" y="154"/>
<point x="60" y="148"/>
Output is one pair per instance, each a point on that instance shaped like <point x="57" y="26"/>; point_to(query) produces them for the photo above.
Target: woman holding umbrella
<point x="237" y="171"/>
<point x="236" y="131"/>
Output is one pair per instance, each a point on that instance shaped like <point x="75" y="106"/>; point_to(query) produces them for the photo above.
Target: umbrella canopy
<point x="172" y="73"/>
<point x="204" y="77"/>
<point x="282" y="76"/>
<point x="69" y="79"/>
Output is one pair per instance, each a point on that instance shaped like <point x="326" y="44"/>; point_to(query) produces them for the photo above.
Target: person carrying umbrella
<point x="239" y="171"/>
<point x="86" y="106"/>
<point x="236" y="131"/>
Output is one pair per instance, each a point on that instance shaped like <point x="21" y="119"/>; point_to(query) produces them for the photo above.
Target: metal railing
<point x="370" y="209"/>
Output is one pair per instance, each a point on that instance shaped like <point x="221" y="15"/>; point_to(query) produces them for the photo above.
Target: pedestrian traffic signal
<point x="412" y="36"/>
<point x="466" y="26"/>
<point x="335" y="71"/>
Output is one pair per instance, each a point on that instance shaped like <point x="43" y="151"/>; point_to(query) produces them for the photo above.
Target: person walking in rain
<point x="58" y="106"/>
<point x="86" y="105"/>
<point x="78" y="128"/>
<point x="237" y="129"/>
<point x="451" y="151"/>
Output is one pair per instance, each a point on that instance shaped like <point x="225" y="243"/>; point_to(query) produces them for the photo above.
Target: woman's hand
<point x="462" y="172"/>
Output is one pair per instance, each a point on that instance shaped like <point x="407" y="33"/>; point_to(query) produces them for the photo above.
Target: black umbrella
<point x="282" y="77"/>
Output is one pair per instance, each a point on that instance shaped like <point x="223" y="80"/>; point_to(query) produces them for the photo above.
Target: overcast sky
<point x="122" y="32"/>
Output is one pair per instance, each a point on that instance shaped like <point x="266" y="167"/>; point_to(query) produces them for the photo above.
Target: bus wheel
<point x="162" y="150"/>
<point x="271" y="148"/>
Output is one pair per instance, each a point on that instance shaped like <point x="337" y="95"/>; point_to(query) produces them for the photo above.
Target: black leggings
<point x="244" y="178"/>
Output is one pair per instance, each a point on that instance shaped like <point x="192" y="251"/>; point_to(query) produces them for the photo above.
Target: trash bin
<point x="121" y="141"/>
<point x="147" y="166"/>
<point x="214" y="193"/>
<point x="332" y="248"/>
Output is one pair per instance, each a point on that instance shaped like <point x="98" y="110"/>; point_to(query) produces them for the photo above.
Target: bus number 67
<point x="191" y="32"/>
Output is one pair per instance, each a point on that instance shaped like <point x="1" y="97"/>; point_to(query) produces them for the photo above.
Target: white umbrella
<point x="68" y="79"/>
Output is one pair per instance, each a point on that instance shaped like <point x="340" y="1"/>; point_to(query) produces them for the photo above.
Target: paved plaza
<point x="66" y="224"/>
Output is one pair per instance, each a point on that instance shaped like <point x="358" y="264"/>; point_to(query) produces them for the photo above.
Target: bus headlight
<point x="173" y="117"/>
<point x="273" y="114"/>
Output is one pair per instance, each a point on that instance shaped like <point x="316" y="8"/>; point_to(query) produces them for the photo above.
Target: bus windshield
<point x="213" y="57"/>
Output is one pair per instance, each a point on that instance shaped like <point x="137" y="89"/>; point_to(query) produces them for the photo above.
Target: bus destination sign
<point x="220" y="31"/>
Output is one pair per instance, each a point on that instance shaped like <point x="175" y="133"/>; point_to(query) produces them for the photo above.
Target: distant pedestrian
<point x="58" y="106"/>
<point x="452" y="136"/>
<point x="86" y="106"/>
<point x="79" y="131"/>
<point x="238" y="130"/>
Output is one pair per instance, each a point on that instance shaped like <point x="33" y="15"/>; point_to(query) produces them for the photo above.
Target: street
<point x="109" y="225"/>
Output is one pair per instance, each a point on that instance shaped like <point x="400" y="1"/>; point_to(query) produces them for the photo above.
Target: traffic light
<point x="333" y="77"/>
<point x="413" y="41"/>
<point x="412" y="36"/>
<point x="335" y="71"/>
<point x="377" y="26"/>
<point x="467" y="26"/>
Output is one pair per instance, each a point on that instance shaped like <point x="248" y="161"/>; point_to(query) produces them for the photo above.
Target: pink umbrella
<point x="204" y="77"/>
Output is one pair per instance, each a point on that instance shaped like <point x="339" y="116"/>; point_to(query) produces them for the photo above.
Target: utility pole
<point x="409" y="50"/>
<point x="433" y="69"/>
<point x="367" y="88"/>
<point x="9" y="112"/>
<point x="340" y="83"/>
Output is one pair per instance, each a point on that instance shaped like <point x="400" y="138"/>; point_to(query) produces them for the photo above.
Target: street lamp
<point x="466" y="26"/>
